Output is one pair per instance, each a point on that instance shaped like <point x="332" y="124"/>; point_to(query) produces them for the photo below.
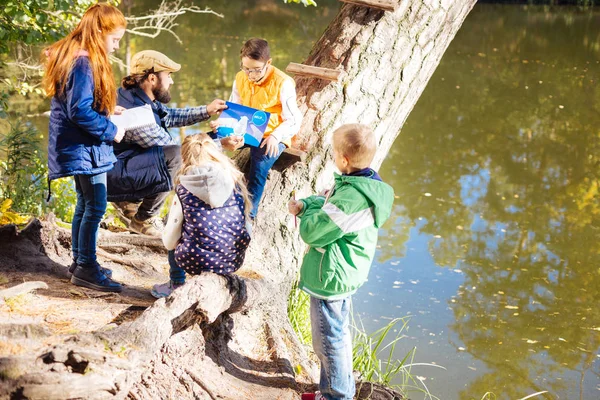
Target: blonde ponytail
<point x="199" y="149"/>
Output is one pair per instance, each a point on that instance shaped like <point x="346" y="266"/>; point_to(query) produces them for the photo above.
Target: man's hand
<point x="232" y="143"/>
<point x="216" y="107"/>
<point x="295" y="207"/>
<point x="119" y="110"/>
<point x="120" y="135"/>
<point x="272" y="145"/>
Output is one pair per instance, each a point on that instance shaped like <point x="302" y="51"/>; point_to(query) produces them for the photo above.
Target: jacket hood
<point x="379" y="194"/>
<point x="210" y="183"/>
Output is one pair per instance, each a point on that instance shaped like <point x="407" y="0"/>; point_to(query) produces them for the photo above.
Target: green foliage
<point x="367" y="349"/>
<point x="22" y="169"/>
<point x="7" y="216"/>
<point x="23" y="176"/>
<point x="374" y="358"/>
<point x="3" y="104"/>
<point x="64" y="198"/>
<point x="299" y="314"/>
<point x="305" y="2"/>
<point x="38" y="21"/>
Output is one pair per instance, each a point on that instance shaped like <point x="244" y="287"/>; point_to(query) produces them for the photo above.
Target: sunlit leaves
<point x="305" y="2"/>
<point x="10" y="217"/>
<point x="39" y="21"/>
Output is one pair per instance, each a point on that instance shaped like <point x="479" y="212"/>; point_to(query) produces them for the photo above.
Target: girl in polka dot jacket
<point x="207" y="229"/>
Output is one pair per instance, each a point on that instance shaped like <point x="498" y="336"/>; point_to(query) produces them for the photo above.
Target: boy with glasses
<point x="262" y="86"/>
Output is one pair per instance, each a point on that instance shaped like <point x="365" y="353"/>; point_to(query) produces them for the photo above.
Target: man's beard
<point x="161" y="94"/>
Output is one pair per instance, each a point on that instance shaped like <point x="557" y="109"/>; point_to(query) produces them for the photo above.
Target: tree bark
<point x="230" y="338"/>
<point x="388" y="59"/>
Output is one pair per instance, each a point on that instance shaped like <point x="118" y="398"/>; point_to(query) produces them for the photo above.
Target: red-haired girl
<point x="79" y="78"/>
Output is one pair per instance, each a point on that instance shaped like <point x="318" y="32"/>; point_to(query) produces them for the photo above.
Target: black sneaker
<point x="92" y="278"/>
<point x="105" y="271"/>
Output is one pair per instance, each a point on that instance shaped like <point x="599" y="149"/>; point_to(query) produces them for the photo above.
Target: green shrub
<point x="23" y="171"/>
<point x="24" y="176"/>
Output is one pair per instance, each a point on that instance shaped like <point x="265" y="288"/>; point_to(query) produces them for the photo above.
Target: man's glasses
<point x="253" y="70"/>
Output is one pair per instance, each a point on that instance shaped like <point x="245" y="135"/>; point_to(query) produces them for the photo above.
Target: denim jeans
<point x="176" y="273"/>
<point x="260" y="165"/>
<point x="90" y="208"/>
<point x="333" y="346"/>
<point x="151" y="205"/>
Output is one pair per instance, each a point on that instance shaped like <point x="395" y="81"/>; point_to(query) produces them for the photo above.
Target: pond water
<point x="493" y="248"/>
<point x="493" y="245"/>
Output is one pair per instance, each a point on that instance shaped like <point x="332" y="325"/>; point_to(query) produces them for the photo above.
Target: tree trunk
<point x="230" y="337"/>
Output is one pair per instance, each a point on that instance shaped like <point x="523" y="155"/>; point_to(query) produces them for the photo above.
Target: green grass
<point x="373" y="354"/>
<point x="299" y="314"/>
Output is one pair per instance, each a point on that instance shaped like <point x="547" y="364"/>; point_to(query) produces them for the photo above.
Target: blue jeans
<point x="90" y="208"/>
<point x="333" y="346"/>
<point x="260" y="165"/>
<point x="176" y="274"/>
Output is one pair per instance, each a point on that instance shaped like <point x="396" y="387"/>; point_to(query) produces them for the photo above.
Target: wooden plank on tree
<point x="387" y="5"/>
<point x="289" y="157"/>
<point x="316" y="72"/>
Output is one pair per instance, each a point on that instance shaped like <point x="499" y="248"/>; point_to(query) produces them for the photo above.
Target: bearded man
<point x="148" y="158"/>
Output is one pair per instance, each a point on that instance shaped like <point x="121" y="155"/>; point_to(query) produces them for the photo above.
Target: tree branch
<point x="163" y="19"/>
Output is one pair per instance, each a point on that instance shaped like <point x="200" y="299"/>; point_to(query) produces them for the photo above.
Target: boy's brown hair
<point x="357" y="143"/>
<point x="256" y="49"/>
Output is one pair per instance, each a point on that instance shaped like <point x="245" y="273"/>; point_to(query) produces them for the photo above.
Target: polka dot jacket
<point x="212" y="239"/>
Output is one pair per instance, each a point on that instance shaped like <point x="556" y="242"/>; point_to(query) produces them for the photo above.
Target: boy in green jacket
<point x="341" y="230"/>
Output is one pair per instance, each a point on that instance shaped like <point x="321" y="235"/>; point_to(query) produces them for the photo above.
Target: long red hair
<point x="99" y="20"/>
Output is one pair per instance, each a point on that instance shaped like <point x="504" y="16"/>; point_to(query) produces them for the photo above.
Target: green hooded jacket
<point x="342" y="235"/>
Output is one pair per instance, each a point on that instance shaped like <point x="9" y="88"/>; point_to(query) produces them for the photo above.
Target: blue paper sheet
<point x="244" y="121"/>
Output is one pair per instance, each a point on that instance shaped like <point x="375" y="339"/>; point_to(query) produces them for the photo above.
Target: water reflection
<point x="497" y="215"/>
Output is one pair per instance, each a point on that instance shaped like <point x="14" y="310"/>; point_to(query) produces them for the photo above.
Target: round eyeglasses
<point x="253" y="70"/>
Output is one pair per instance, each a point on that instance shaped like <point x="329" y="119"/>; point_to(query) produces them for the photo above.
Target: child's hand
<point x="214" y="125"/>
<point x="232" y="143"/>
<point x="295" y="207"/>
<point x="215" y="107"/>
<point x="120" y="135"/>
<point x="272" y="146"/>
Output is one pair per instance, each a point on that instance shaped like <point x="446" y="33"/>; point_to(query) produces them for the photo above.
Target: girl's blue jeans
<point x="260" y="165"/>
<point x="90" y="208"/>
<point x="176" y="274"/>
<point x="332" y="343"/>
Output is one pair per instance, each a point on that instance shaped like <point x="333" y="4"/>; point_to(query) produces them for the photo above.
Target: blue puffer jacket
<point x="139" y="172"/>
<point x="79" y="137"/>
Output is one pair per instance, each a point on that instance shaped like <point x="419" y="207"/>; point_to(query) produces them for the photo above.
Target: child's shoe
<point x="105" y="271"/>
<point x="312" y="396"/>
<point x="161" y="290"/>
<point x="92" y="278"/>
